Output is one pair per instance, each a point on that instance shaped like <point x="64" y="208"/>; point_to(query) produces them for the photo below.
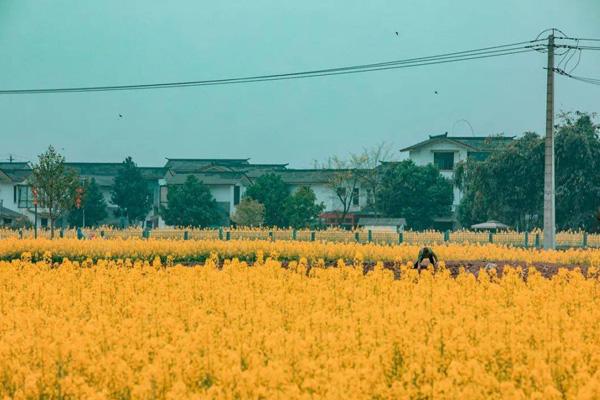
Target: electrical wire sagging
<point x="474" y="54"/>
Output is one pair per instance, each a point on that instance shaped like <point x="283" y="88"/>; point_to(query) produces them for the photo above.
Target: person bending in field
<point x="425" y="253"/>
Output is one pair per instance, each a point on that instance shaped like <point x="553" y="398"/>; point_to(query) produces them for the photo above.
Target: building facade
<point x="446" y="152"/>
<point x="227" y="180"/>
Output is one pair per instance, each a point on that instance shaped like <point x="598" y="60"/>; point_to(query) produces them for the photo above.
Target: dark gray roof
<point x="474" y="143"/>
<point x="382" y="221"/>
<point x="210" y="178"/>
<point x="151" y="173"/>
<point x="196" y="164"/>
<point x="179" y="166"/>
<point x="14" y="165"/>
<point x="105" y="173"/>
<point x="8" y="213"/>
<point x="242" y="176"/>
<point x="17" y="175"/>
<point x="16" y="171"/>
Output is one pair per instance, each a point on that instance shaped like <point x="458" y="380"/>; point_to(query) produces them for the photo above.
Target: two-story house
<point x="16" y="200"/>
<point x="447" y="151"/>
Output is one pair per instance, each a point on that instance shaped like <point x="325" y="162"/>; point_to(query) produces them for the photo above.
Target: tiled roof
<point x="17" y="175"/>
<point x="104" y="173"/>
<point x="474" y="143"/>
<point x="209" y="178"/>
<point x="196" y="164"/>
<point x="14" y="165"/>
<point x="16" y="171"/>
<point x="94" y="168"/>
<point x="8" y="213"/>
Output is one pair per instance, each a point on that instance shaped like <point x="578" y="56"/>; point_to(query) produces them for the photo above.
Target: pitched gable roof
<point x="197" y="164"/>
<point x="105" y="172"/>
<point x="474" y="143"/>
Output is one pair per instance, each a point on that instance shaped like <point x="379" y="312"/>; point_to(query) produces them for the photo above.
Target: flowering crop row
<point x="122" y="329"/>
<point x="525" y="239"/>
<point x="199" y="250"/>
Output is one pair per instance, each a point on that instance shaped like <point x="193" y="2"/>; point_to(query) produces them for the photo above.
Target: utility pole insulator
<point x="549" y="177"/>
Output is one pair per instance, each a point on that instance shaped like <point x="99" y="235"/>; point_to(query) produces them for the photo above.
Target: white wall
<point x="328" y="197"/>
<point x="424" y="155"/>
<point x="6" y="195"/>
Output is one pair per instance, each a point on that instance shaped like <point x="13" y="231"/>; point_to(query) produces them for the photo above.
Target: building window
<point x="44" y="222"/>
<point x="355" y="197"/>
<point x="444" y="160"/>
<point x="24" y="197"/>
<point x="236" y="195"/>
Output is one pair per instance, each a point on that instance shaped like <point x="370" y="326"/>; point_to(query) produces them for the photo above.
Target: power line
<point x="593" y="81"/>
<point x="486" y="52"/>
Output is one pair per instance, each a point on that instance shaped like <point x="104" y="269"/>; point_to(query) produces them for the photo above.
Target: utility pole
<point x="549" y="181"/>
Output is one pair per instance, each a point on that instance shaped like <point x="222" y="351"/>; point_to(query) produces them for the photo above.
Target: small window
<point x="24" y="197"/>
<point x="44" y="222"/>
<point x="236" y="195"/>
<point x="7" y="221"/>
<point x="341" y="191"/>
<point x="355" y="197"/>
<point x="444" y="161"/>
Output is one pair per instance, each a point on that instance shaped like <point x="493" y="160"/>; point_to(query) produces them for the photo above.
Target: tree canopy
<point x="302" y="209"/>
<point x="54" y="184"/>
<point x="509" y="185"/>
<point x="131" y="193"/>
<point x="191" y="204"/>
<point x="249" y="213"/>
<point x="93" y="206"/>
<point x="272" y="192"/>
<point x="419" y="194"/>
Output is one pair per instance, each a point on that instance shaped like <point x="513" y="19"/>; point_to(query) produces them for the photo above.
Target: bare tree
<point x="358" y="171"/>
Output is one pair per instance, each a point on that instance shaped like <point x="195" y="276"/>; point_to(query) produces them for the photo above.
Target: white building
<point x="447" y="151"/>
<point x="16" y="201"/>
<point x="228" y="179"/>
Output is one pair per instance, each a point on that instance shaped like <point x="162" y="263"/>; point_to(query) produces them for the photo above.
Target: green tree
<point x="271" y="191"/>
<point x="509" y="185"/>
<point x="249" y="213"/>
<point x="302" y="208"/>
<point x="419" y="194"/>
<point x="131" y="193"/>
<point x="93" y="206"/>
<point x="191" y="204"/>
<point x="55" y="185"/>
<point x="577" y="172"/>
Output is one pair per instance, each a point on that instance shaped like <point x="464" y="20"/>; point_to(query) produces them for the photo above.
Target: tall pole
<point x="549" y="181"/>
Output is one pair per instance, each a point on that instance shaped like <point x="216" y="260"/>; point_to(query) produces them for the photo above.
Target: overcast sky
<point x="56" y="43"/>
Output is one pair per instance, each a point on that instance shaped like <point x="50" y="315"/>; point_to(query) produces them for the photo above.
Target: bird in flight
<point x="121" y="116"/>
<point x="436" y="92"/>
<point x="397" y="34"/>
